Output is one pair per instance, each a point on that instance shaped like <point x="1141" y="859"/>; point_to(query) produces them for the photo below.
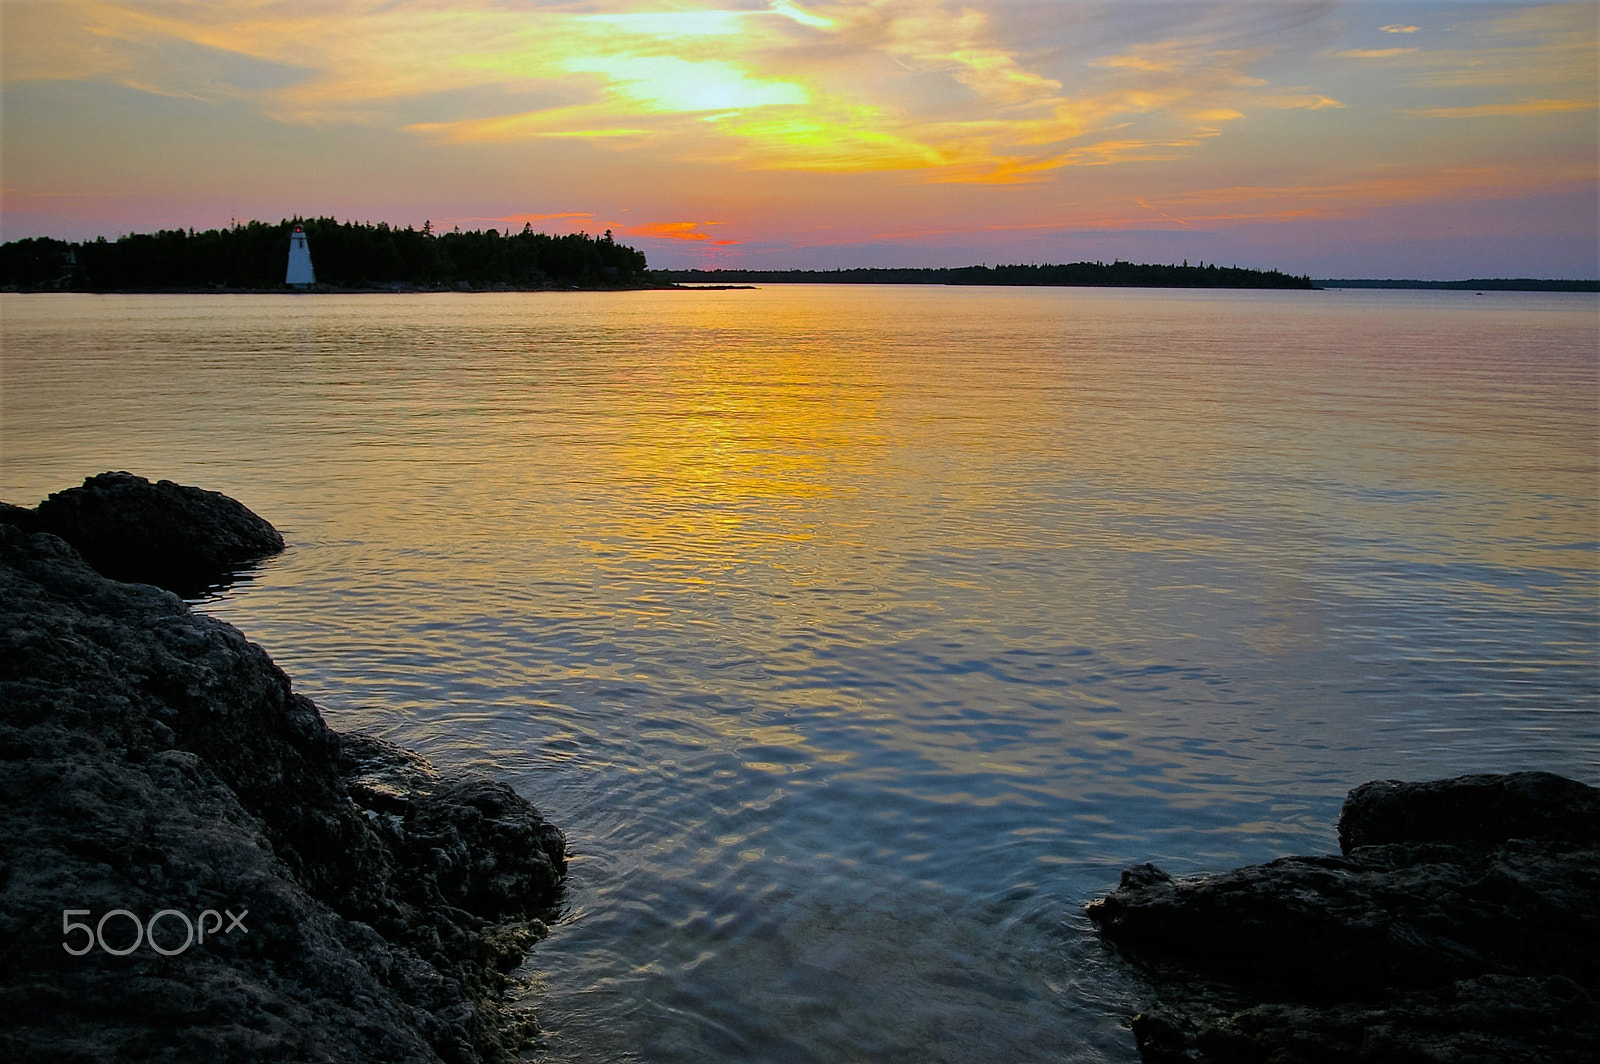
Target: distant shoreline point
<point x="1481" y="284"/>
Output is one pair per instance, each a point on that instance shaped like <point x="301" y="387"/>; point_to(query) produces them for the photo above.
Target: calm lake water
<point x="857" y="636"/>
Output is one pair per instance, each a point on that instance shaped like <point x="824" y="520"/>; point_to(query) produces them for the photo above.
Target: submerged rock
<point x="155" y="762"/>
<point x="182" y="538"/>
<point x="1461" y="922"/>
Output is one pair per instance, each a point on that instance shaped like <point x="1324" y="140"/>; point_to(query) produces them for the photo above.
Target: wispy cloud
<point x="1375" y="53"/>
<point x="1542" y="48"/>
<point x="1360" y="195"/>
<point x="1519" y="109"/>
<point x="931" y="87"/>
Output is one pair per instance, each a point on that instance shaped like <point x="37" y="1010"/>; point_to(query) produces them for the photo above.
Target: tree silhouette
<point x="347" y="254"/>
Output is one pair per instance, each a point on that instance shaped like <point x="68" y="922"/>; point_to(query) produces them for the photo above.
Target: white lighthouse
<point x="300" y="272"/>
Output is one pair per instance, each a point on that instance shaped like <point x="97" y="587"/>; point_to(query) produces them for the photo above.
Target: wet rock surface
<point x="185" y="539"/>
<point x="153" y="760"/>
<point x="1461" y="922"/>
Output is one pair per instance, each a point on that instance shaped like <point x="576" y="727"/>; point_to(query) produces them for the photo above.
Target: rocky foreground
<point x="193" y="866"/>
<point x="1460" y="923"/>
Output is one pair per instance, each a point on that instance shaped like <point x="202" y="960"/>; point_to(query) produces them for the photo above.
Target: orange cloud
<point x="675" y="231"/>
<point x="1306" y="101"/>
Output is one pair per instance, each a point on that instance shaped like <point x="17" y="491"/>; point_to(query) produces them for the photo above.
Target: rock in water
<point x="1470" y="810"/>
<point x="1461" y="923"/>
<point x="19" y="516"/>
<point x="154" y="761"/>
<point x="182" y="538"/>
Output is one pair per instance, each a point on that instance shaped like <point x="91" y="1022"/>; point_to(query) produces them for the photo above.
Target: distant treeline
<point x="1481" y="284"/>
<point x="1087" y="274"/>
<point x="343" y="254"/>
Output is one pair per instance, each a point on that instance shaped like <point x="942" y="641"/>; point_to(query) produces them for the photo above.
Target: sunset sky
<point x="1432" y="140"/>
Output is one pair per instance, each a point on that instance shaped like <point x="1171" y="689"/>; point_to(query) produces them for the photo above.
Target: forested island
<point x="350" y="255"/>
<point x="1080" y="274"/>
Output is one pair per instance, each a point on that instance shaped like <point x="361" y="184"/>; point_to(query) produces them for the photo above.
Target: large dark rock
<point x="1471" y="810"/>
<point x="1461" y="923"/>
<point x="19" y="516"/>
<point x="182" y="538"/>
<point x="153" y="759"/>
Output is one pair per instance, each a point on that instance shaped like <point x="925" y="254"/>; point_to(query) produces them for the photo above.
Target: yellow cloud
<point x="1375" y="53"/>
<point x="670" y="24"/>
<point x="849" y="139"/>
<point x="662" y="83"/>
<point x="1300" y="101"/>
<point x="804" y="118"/>
<point x="1399" y="27"/>
<point x="588" y="121"/>
<point x="1506" y="110"/>
<point x="961" y="44"/>
<point x="800" y="15"/>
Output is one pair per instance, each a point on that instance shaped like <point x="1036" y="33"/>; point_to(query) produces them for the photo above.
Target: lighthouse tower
<point x="300" y="272"/>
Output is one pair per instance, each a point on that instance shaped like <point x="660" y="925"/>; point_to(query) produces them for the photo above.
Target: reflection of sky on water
<point x="857" y="636"/>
